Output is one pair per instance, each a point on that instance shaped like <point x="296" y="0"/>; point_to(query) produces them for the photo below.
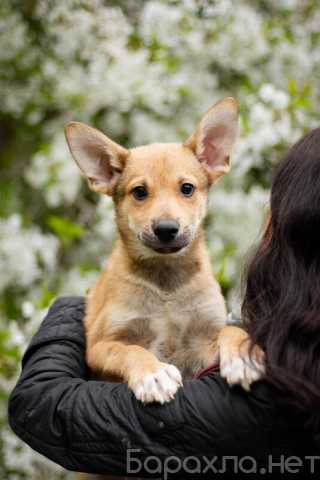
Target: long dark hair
<point x="281" y="306"/>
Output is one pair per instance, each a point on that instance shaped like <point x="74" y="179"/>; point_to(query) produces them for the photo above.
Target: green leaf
<point x="46" y="298"/>
<point x="292" y="86"/>
<point x="66" y="230"/>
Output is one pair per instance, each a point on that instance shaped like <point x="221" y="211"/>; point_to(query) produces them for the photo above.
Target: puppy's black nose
<point x="166" y="230"/>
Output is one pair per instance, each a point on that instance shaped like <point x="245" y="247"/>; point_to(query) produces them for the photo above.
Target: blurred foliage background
<point x="142" y="71"/>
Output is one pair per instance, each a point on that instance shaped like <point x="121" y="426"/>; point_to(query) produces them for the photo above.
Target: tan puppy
<point x="156" y="314"/>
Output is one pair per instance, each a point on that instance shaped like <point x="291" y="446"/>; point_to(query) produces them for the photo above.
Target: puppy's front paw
<point x="158" y="386"/>
<point x="242" y="370"/>
<point x="239" y="365"/>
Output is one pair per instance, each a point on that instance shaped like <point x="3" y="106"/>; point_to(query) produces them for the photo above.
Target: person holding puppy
<point x="209" y="427"/>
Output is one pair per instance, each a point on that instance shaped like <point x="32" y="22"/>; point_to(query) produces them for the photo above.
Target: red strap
<point x="205" y="371"/>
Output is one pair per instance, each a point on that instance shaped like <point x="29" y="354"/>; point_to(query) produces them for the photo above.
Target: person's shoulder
<point x="68" y="309"/>
<point x="67" y="303"/>
<point x="63" y="321"/>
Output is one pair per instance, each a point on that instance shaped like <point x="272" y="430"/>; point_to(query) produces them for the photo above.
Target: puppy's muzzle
<point x="166" y="230"/>
<point x="165" y="237"/>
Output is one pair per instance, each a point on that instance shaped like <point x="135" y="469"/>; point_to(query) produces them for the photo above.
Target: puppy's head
<point x="159" y="190"/>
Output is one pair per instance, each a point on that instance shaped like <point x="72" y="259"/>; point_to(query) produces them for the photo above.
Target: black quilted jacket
<point x="98" y="427"/>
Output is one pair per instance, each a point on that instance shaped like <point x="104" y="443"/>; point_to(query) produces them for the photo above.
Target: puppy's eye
<point x="140" y="192"/>
<point x="187" y="189"/>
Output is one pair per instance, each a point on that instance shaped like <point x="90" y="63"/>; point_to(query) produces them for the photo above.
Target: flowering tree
<point x="141" y="71"/>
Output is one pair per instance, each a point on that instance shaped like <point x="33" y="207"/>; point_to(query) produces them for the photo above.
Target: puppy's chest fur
<point x="178" y="327"/>
<point x="181" y="334"/>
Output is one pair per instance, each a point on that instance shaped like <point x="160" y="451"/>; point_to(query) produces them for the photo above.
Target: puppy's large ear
<point x="213" y="139"/>
<point x="99" y="158"/>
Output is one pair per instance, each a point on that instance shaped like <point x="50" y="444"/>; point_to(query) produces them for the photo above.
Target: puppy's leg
<point x="239" y="364"/>
<point x="149" y="379"/>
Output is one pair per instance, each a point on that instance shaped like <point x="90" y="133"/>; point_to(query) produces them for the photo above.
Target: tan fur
<point x="151" y="309"/>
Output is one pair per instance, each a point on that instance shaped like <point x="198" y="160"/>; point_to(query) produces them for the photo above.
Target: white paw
<point x="160" y="386"/>
<point x="241" y="370"/>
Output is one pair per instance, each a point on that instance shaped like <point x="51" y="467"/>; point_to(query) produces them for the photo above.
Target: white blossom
<point x="55" y="173"/>
<point x="142" y="72"/>
<point x="20" y="251"/>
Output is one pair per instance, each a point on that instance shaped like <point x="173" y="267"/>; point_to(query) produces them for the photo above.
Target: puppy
<point x="156" y="314"/>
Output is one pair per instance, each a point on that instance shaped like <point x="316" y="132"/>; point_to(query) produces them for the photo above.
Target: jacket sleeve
<point x="99" y="427"/>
